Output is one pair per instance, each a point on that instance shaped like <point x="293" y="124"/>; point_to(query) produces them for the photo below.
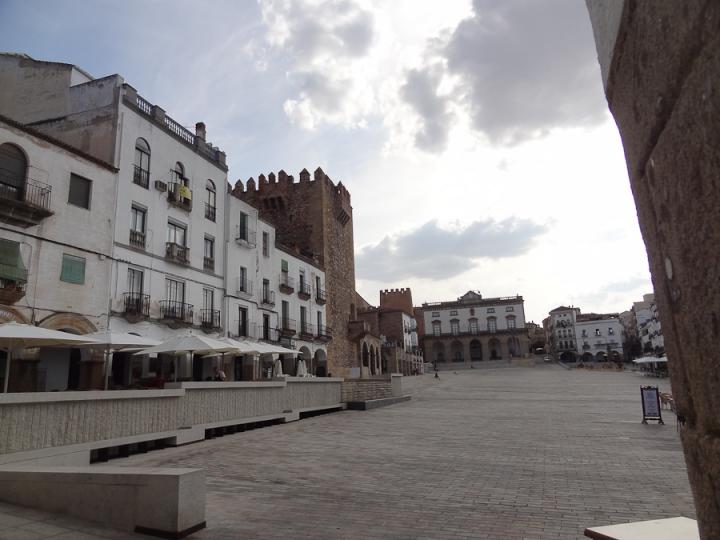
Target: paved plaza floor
<point x="488" y="453"/>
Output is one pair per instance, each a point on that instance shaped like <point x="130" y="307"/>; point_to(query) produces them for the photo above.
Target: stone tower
<point x="315" y="215"/>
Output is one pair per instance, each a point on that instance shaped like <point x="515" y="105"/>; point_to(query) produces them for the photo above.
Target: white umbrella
<point x="301" y="368"/>
<point x="116" y="341"/>
<point x="277" y="369"/>
<point x="21" y="336"/>
<point x="189" y="344"/>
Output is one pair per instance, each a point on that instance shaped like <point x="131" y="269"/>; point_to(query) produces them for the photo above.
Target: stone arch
<point x="456" y="351"/>
<point x="365" y="355"/>
<point x="587" y="357"/>
<point x="601" y="356"/>
<point x="320" y="359"/>
<point x="68" y="322"/>
<point x="567" y="356"/>
<point x="10" y="314"/>
<point x="439" y="352"/>
<point x="476" y="353"/>
<point x="494" y="349"/>
<point x="513" y="344"/>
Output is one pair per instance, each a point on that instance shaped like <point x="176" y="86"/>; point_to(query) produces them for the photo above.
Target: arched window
<point x="179" y="174"/>
<point x="436" y="328"/>
<point x="511" y="322"/>
<point x="473" y="326"/>
<point x="141" y="170"/>
<point x="13" y="172"/>
<point x="210" y="200"/>
<point x="455" y="327"/>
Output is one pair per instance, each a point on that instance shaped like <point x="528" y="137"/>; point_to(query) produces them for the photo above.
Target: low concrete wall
<point x="63" y="427"/>
<point x="155" y="501"/>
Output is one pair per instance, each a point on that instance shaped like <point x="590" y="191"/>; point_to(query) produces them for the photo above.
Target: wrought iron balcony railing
<point x="177" y="253"/>
<point x="141" y="177"/>
<point x="244" y="287"/>
<point x="268" y="297"/>
<point x="320" y="296"/>
<point x="287" y="283"/>
<point x="288" y="327"/>
<point x="137" y="304"/>
<point x="210" y="318"/>
<point x="245" y="236"/>
<point x="137" y="239"/>
<point x="178" y="311"/>
<point x="304" y="290"/>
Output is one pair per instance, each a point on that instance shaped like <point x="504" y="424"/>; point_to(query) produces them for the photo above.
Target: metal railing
<point x="179" y="311"/>
<point x="307" y="329"/>
<point x="268" y="333"/>
<point x="177" y="253"/>
<point x="141" y="177"/>
<point x="324" y="332"/>
<point x="137" y="304"/>
<point x="268" y="297"/>
<point x="245" y="330"/>
<point x="320" y="296"/>
<point x="244" y="286"/>
<point x="245" y="236"/>
<point x="288" y="326"/>
<point x="176" y="198"/>
<point x="210" y="212"/>
<point x="209" y="263"/>
<point x="29" y="191"/>
<point x="137" y="239"/>
<point x="210" y="318"/>
<point x="287" y="283"/>
<point x="304" y="289"/>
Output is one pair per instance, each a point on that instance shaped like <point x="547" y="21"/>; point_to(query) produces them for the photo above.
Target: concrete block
<point x="162" y="502"/>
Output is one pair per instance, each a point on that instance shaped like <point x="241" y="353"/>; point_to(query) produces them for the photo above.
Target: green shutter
<point x="11" y="264"/>
<point x="73" y="269"/>
<point x="284" y="265"/>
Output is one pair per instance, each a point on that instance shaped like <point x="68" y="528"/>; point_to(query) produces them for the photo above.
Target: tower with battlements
<point x="315" y="216"/>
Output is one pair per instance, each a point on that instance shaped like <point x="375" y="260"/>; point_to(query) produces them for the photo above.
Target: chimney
<point x="200" y="130"/>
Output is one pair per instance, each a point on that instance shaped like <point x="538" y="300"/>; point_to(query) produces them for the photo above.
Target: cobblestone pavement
<point x="489" y="453"/>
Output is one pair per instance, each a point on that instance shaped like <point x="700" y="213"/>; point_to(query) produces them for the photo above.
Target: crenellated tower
<point x="315" y="215"/>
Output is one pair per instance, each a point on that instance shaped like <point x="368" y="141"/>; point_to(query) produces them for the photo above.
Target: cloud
<point x="519" y="69"/>
<point x="420" y="92"/>
<point x="323" y="43"/>
<point x="610" y="293"/>
<point x="433" y="252"/>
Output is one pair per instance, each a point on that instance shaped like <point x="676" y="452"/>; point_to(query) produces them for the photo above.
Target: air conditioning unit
<point x="160" y="185"/>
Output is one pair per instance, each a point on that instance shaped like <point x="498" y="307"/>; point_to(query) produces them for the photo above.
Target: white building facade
<point x="599" y="338"/>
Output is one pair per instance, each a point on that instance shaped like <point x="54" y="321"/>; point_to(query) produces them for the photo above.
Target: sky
<point x="473" y="136"/>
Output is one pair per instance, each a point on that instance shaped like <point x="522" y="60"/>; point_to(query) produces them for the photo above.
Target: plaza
<point x="502" y="453"/>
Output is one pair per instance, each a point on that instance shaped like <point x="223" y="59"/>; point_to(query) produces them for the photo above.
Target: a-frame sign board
<point x="650" y="398"/>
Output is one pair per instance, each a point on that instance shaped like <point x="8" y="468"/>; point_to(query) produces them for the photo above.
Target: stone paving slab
<point x="497" y="454"/>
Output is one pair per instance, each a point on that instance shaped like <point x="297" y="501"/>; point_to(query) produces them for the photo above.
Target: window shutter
<point x="73" y="269"/>
<point x="284" y="265"/>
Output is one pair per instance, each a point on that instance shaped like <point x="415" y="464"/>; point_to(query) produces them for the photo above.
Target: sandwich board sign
<point x="650" y="398"/>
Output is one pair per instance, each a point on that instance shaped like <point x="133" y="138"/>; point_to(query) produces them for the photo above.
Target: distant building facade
<point x="572" y="335"/>
<point x="474" y="329"/>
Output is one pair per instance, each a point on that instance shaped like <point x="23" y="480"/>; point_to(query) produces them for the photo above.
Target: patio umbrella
<point x="301" y="368"/>
<point x="277" y="368"/>
<point x="189" y="344"/>
<point x="20" y="336"/>
<point x="117" y="341"/>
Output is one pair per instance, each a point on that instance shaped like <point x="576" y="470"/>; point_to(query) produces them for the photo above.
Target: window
<point x="584" y="333"/>
<point x="453" y="312"/>
<point x="510" y="308"/>
<point x="135" y="281"/>
<point x="303" y="318"/>
<point x="141" y="170"/>
<point x="243" y="231"/>
<point x="266" y="290"/>
<point x="491" y="310"/>
<point x="472" y="311"/>
<point x="243" y="322"/>
<point x="611" y="331"/>
<point x="284" y="266"/>
<point x="80" y="189"/>
<point x="511" y="323"/>
<point x="473" y="324"/>
<point x="243" y="280"/>
<point x="208" y="299"/>
<point x="209" y="247"/>
<point x="210" y="201"/>
<point x="174" y="290"/>
<point x="319" y="321"/>
<point x="266" y="244"/>
<point x="137" y="226"/>
<point x="454" y="327"/>
<point x="14" y="172"/>
<point x="179" y="174"/>
<point x="73" y="269"/>
<point x="436" y="328"/>
<point x="597" y="332"/>
<point x="285" y="314"/>
<point x="435" y="313"/>
<point x="176" y="234"/>
<point x="492" y="324"/>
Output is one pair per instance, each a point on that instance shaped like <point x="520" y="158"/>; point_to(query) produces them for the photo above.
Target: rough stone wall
<point x="394" y="299"/>
<point x="420" y="319"/>
<point x="373" y="319"/>
<point x="315" y="215"/>
<point x="663" y="88"/>
<point x="391" y="326"/>
<point x="365" y="389"/>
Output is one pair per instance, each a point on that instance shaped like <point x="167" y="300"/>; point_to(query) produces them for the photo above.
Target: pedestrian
<point x="436" y="375"/>
<point x="219" y="374"/>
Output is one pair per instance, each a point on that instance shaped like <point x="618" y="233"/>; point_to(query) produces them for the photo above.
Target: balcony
<point x="288" y="327"/>
<point x="268" y="334"/>
<point x="324" y="333"/>
<point x="11" y="291"/>
<point x="209" y="264"/>
<point x="304" y="291"/>
<point x="210" y="212"/>
<point x="136" y="304"/>
<point x="176" y="311"/>
<point x="23" y="205"/>
<point x="180" y="195"/>
<point x="287" y="284"/>
<point x="320" y="297"/>
<point x="244" y="287"/>
<point x="141" y="177"/>
<point x="245" y="329"/>
<point x="137" y="239"/>
<point x="245" y="237"/>
<point x="177" y="253"/>
<point x="268" y="298"/>
<point x="307" y="330"/>
<point x="210" y="319"/>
